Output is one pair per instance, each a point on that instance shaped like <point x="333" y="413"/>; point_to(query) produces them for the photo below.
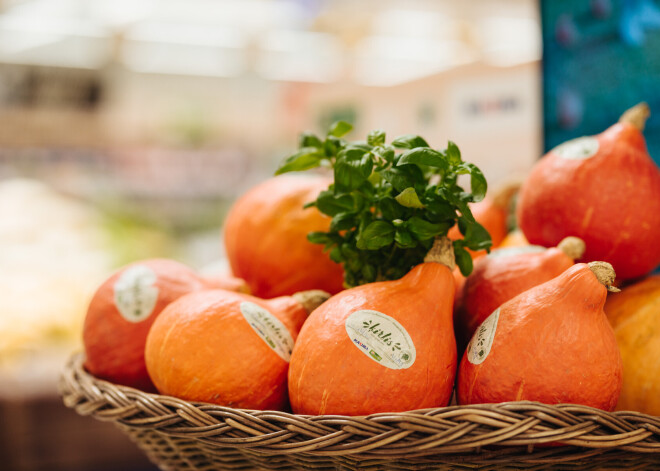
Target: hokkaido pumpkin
<point x="551" y="344"/>
<point x="604" y="189"/>
<point x="505" y="273"/>
<point x="266" y="238"/>
<point x="227" y="348"/>
<point x="380" y="347"/>
<point x="635" y="317"/>
<point x="492" y="213"/>
<point x="515" y="238"/>
<point x="228" y="282"/>
<point x="121" y="312"/>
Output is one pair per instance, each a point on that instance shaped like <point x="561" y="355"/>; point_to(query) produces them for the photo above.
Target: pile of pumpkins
<point x="533" y="321"/>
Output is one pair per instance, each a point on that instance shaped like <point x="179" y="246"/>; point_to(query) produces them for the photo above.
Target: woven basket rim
<point x="511" y="427"/>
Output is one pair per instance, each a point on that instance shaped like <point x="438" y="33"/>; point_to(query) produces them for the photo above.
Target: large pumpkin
<point x="266" y="238"/>
<point x="635" y="316"/>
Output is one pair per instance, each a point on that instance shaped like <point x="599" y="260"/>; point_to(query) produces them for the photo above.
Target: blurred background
<point x="127" y="128"/>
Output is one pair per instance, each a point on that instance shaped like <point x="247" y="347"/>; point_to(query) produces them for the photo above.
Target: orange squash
<point x="227" y="348"/>
<point x="551" y="344"/>
<point x="604" y="189"/>
<point x="121" y="312"/>
<point x="492" y="213"/>
<point x="265" y="236"/>
<point x="505" y="273"/>
<point x="228" y="282"/>
<point x="515" y="238"/>
<point x="635" y="317"/>
<point x="380" y="347"/>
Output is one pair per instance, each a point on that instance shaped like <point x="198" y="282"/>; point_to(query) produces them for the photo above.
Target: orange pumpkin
<point x="266" y="238"/>
<point x="379" y="347"/>
<point x="635" y="317"/>
<point x="228" y="282"/>
<point x="505" y="273"/>
<point x="552" y="344"/>
<point x="227" y="348"/>
<point x="604" y="189"/>
<point x="121" y="313"/>
<point x="515" y="238"/>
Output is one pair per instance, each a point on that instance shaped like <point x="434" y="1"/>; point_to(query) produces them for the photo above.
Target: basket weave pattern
<point x="180" y="435"/>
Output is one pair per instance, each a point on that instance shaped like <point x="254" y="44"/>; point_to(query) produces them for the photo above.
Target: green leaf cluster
<point x="388" y="202"/>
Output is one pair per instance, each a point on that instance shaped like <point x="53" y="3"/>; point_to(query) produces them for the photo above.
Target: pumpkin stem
<point x="311" y="299"/>
<point x="605" y="274"/>
<point x="637" y="116"/>
<point x="505" y="192"/>
<point x="442" y="252"/>
<point x="573" y="247"/>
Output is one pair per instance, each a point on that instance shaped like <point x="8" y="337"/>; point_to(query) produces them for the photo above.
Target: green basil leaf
<point x="350" y="174"/>
<point x="463" y="258"/>
<point x="477" y="237"/>
<point x="424" y="156"/>
<point x="403" y="177"/>
<point x="390" y="209"/>
<point x="376" y="137"/>
<point x="453" y="154"/>
<point x="304" y="159"/>
<point x="331" y="204"/>
<point x="409" y="141"/>
<point x="308" y="139"/>
<point x="335" y="255"/>
<point x="376" y="235"/>
<point x="332" y="145"/>
<point x="368" y="273"/>
<point x="424" y="230"/>
<point x="409" y="198"/>
<point x="404" y="239"/>
<point x="343" y="221"/>
<point x="340" y="128"/>
<point x="478" y="184"/>
<point x="319" y="238"/>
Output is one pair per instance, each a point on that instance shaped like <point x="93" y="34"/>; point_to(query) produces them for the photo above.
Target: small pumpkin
<point x="121" y="313"/>
<point x="604" y="189"/>
<point x="505" y="273"/>
<point x="265" y="236"/>
<point x="380" y="347"/>
<point x="635" y="318"/>
<point x="551" y="344"/>
<point x="227" y="348"/>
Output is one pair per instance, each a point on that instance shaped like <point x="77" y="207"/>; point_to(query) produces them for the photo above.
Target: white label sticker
<point x="269" y="328"/>
<point x="135" y="293"/>
<point x="482" y="340"/>
<point x="508" y="251"/>
<point x="578" y="149"/>
<point x="381" y="338"/>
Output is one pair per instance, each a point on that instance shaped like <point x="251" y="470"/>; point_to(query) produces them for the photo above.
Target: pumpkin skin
<point x="635" y="317"/>
<point x="266" y="238"/>
<point x="610" y="200"/>
<point x="329" y="374"/>
<point x="514" y="238"/>
<point x="202" y="348"/>
<point x="228" y="282"/>
<point x="498" y="277"/>
<point x="114" y="345"/>
<point x="552" y="344"/>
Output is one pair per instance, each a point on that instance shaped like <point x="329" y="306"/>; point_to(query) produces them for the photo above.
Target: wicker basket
<point x="180" y="435"/>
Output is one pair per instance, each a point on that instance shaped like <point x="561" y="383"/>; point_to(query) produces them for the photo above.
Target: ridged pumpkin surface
<point x="330" y="374"/>
<point x="266" y="238"/>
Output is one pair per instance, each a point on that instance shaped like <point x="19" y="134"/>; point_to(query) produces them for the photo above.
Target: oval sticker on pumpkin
<point x="508" y="251"/>
<point x="482" y="340"/>
<point x="578" y="149"/>
<point x="381" y="338"/>
<point x="135" y="293"/>
<point x="269" y="328"/>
